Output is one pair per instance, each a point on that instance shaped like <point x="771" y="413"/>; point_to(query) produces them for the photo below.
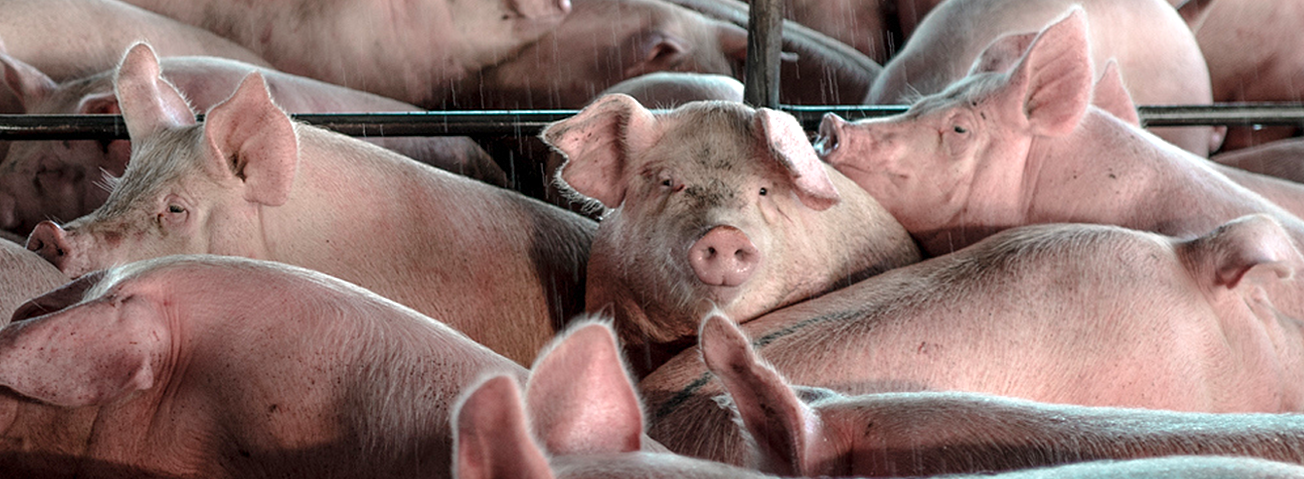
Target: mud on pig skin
<point x="713" y="202"/>
<point x="1160" y="59"/>
<point x="63" y="180"/>
<point x="407" y="50"/>
<point x="218" y="366"/>
<point x="580" y="418"/>
<point x="823" y="433"/>
<point x="504" y="269"/>
<point x="1082" y="314"/>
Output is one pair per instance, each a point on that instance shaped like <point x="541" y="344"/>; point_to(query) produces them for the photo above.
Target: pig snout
<point x="49" y="241"/>
<point x="724" y="256"/>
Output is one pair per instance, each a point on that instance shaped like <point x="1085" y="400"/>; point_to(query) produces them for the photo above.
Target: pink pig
<point x="580" y="418"/>
<point x="62" y="180"/>
<point x="1160" y="59"/>
<point x="409" y="50"/>
<point x="713" y="203"/>
<point x="928" y="433"/>
<point x="502" y="268"/>
<point x="214" y="366"/>
<point x="1002" y="149"/>
<point x="1091" y="315"/>
<point x="23" y="275"/>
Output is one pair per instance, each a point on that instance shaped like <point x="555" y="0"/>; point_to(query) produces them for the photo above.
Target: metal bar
<point x="764" y="44"/>
<point x="530" y="122"/>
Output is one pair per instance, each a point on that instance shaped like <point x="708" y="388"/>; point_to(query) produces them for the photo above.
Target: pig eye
<point x="666" y="183"/>
<point x="960" y="129"/>
<point x="176" y="209"/>
<point x="764" y="191"/>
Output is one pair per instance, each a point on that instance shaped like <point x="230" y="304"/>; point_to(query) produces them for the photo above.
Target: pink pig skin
<point x="1279" y="159"/>
<point x="1252" y="57"/>
<point x="1160" y="59"/>
<point x="713" y="203"/>
<point x="208" y="366"/>
<point x="68" y="39"/>
<point x="1091" y="315"/>
<point x="926" y="433"/>
<point x="599" y="44"/>
<point x="60" y="180"/>
<point x="502" y="268"/>
<point x="580" y="419"/>
<point x="409" y="50"/>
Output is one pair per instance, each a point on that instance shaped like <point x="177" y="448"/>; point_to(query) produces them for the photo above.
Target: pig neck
<point x="32" y="427"/>
<point x="1108" y="172"/>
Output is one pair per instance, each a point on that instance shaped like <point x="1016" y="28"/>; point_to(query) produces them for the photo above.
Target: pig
<point x="670" y="89"/>
<point x="876" y="28"/>
<point x="601" y="43"/>
<point x="70" y="39"/>
<point x="826" y="71"/>
<point x="1279" y="159"/>
<point x="60" y="180"/>
<point x="929" y="433"/>
<point x="505" y="269"/>
<point x="1251" y="58"/>
<point x="1160" y="59"/>
<point x="1079" y="314"/>
<point x="219" y="366"/>
<point x="1003" y="149"/>
<point x="411" y="51"/>
<point x="1110" y="96"/>
<point x="580" y="418"/>
<point x="712" y="203"/>
<point x="25" y="276"/>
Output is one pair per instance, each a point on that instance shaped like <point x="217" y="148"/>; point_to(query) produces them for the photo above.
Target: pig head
<point x="229" y="367"/>
<point x="717" y="204"/>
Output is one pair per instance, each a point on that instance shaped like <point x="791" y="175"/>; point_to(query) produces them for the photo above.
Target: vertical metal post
<point x="764" y="44"/>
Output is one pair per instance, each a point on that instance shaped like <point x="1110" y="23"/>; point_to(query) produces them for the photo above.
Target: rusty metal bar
<point x="764" y="45"/>
<point x="530" y="122"/>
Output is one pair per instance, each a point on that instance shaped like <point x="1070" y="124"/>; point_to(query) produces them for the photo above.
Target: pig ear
<point x="90" y="354"/>
<point x="1194" y="12"/>
<point x="31" y="85"/>
<point x="1242" y="245"/>
<point x="493" y="440"/>
<point x="1054" y="77"/>
<point x="253" y="139"/>
<point x="1003" y="53"/>
<point x="1110" y="95"/>
<point x="788" y="145"/>
<point x="599" y="142"/>
<point x="57" y="299"/>
<point x="780" y="425"/>
<point x="655" y="51"/>
<point x="149" y="103"/>
<point x="580" y="396"/>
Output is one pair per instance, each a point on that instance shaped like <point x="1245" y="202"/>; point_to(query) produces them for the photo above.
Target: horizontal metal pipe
<point x="530" y="122"/>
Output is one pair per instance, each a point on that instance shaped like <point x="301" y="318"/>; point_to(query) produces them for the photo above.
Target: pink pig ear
<point x="149" y="103"/>
<point x="90" y="354"/>
<point x="493" y="440"/>
<point x="253" y="139"/>
<point x="58" y="298"/>
<point x="1003" y="53"/>
<point x="539" y="8"/>
<point x="788" y="145"/>
<point x="580" y="396"/>
<point x="1053" y="79"/>
<point x="1110" y="95"/>
<point x="1243" y="245"/>
<point x="31" y="85"/>
<point x="781" y="426"/>
<point x="599" y="142"/>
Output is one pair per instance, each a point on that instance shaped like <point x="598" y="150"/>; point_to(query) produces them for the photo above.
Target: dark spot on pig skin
<point x="1112" y="177"/>
<point x="273" y="408"/>
<point x="243" y="453"/>
<point x="868" y="426"/>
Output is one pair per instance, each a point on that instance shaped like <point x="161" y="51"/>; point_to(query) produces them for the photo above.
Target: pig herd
<point x="1012" y="277"/>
